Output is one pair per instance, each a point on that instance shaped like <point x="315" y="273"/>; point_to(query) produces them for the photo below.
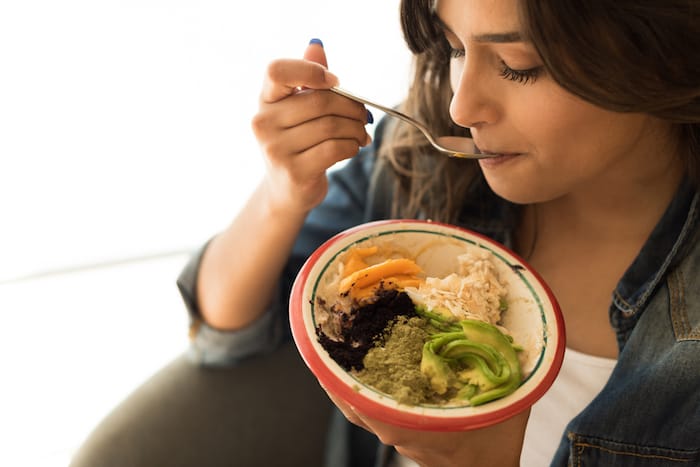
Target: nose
<point x="474" y="103"/>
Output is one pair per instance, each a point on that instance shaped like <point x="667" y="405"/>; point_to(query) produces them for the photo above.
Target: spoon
<point x="453" y="146"/>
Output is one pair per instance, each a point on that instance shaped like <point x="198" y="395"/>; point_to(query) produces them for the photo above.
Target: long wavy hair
<point x="621" y="55"/>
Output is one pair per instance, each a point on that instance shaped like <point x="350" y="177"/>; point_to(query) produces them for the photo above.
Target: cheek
<point x="556" y="121"/>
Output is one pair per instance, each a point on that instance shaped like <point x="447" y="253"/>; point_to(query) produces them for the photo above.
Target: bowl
<point x="533" y="319"/>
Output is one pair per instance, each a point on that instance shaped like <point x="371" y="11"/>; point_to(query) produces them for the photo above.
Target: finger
<point x="327" y="153"/>
<point x="303" y="137"/>
<point x="347" y="411"/>
<point x="315" y="53"/>
<point x="311" y="165"/>
<point x="304" y="107"/>
<point x="321" y="102"/>
<point x="284" y="76"/>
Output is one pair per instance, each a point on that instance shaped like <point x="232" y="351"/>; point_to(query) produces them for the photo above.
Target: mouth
<point x="494" y="153"/>
<point x="498" y="154"/>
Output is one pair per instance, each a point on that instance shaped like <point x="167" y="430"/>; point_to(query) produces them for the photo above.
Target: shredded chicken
<point x="473" y="292"/>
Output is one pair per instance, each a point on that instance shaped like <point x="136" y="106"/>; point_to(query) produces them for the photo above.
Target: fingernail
<point x="370" y="117"/>
<point x="316" y="41"/>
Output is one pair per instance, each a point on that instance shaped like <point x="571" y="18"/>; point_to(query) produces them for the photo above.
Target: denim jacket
<point x="648" y="413"/>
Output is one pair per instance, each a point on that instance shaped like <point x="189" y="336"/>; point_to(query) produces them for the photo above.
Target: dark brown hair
<point x="621" y="55"/>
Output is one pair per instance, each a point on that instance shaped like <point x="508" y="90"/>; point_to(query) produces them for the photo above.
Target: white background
<point x="125" y="143"/>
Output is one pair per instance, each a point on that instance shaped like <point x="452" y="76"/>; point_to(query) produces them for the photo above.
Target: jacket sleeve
<point x="345" y="205"/>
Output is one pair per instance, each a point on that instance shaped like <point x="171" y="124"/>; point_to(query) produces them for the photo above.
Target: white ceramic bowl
<point x="533" y="319"/>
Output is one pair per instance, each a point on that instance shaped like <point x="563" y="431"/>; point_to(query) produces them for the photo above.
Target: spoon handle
<point x="362" y="100"/>
<point x="453" y="146"/>
<point x="386" y="110"/>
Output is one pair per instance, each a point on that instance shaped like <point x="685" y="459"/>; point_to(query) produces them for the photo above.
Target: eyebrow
<point x="502" y="37"/>
<point x="498" y="37"/>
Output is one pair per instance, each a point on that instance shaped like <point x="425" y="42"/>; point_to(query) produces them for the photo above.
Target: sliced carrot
<point x="366" y="251"/>
<point x="376" y="272"/>
<point x="402" y="281"/>
<point x="393" y="282"/>
<point x="355" y="260"/>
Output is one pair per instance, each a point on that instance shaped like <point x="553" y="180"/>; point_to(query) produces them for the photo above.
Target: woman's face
<point x="551" y="143"/>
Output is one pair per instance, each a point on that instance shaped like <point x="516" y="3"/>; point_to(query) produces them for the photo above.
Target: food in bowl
<point x="381" y="377"/>
<point x="418" y="338"/>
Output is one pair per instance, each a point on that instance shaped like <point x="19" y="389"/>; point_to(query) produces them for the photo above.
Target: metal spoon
<point x="453" y="146"/>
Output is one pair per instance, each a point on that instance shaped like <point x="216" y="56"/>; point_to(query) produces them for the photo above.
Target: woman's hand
<point x="302" y="133"/>
<point x="304" y="129"/>
<point x="498" y="445"/>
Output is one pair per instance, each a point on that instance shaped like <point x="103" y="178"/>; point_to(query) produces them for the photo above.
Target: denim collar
<point x="674" y="233"/>
<point x="659" y="252"/>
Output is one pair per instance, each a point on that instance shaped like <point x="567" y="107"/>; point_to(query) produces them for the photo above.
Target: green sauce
<point x="393" y="367"/>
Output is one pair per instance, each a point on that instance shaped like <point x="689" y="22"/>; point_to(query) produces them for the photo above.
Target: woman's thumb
<point x="315" y="53"/>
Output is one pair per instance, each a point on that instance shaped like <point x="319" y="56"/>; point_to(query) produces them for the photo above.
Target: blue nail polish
<point x="370" y="117"/>
<point x="316" y="41"/>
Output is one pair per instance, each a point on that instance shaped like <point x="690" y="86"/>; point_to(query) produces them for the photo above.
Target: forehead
<point x="475" y="17"/>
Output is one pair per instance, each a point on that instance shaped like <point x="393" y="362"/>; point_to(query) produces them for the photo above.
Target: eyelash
<point x="518" y="76"/>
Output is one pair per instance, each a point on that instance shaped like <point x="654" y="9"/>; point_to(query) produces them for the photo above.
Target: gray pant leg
<point x="268" y="411"/>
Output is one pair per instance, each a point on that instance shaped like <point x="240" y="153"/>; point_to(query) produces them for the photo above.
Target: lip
<point x="497" y="153"/>
<point x="499" y="157"/>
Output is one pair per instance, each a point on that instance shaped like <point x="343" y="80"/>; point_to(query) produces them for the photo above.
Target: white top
<point x="580" y="379"/>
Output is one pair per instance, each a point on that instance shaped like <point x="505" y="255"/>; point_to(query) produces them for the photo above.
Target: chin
<point x="517" y="193"/>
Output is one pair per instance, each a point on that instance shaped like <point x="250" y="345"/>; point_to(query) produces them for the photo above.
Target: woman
<point x="593" y="112"/>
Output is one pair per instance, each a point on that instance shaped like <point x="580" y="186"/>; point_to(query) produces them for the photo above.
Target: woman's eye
<point x="520" y="76"/>
<point x="456" y="53"/>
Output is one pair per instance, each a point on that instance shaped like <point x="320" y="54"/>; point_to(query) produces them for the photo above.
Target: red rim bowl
<point x="536" y="317"/>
